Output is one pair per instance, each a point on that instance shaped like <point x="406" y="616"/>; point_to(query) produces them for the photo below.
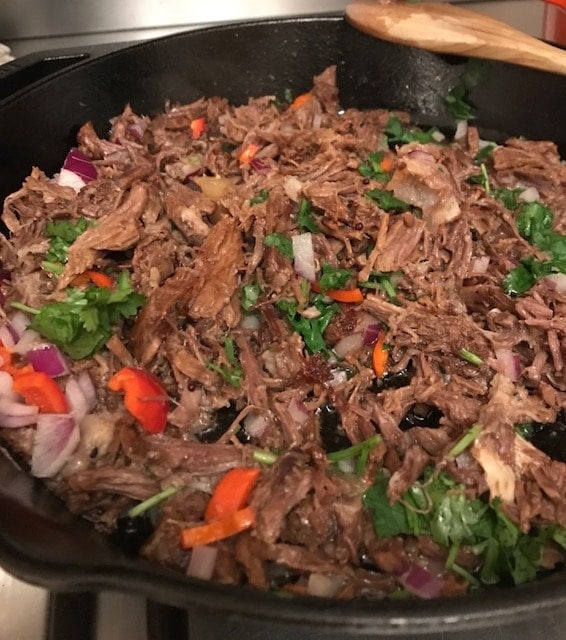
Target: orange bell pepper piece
<point x="144" y="397"/>
<point x="380" y="356"/>
<point x="299" y="101"/>
<point x="219" y="529"/>
<point x="340" y="295"/>
<point x="198" y="125"/>
<point x="96" y="277"/>
<point x="247" y="153"/>
<point x="40" y="390"/>
<point x="231" y="493"/>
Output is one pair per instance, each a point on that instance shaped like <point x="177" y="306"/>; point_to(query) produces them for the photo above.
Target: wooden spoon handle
<point x="446" y="28"/>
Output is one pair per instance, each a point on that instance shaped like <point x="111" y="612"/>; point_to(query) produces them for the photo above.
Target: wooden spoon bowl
<point x="446" y="28"/>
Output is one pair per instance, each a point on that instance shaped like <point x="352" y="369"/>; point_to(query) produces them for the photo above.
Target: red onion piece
<point x="201" y="564"/>
<point x="76" y="400"/>
<point x="28" y="340"/>
<point x="136" y="130"/>
<point x="250" y="322"/>
<point x="6" y="382"/>
<point x="261" y="165"/>
<point x="56" y="437"/>
<point x="49" y="359"/>
<point x="66" y="178"/>
<point x="255" y="424"/>
<point x="298" y="411"/>
<point x="78" y="163"/>
<point x="7" y="337"/>
<point x="461" y="130"/>
<point x="303" y="252"/>
<point x="509" y="363"/>
<point x="88" y="389"/>
<point x="371" y="333"/>
<point x="14" y="414"/>
<point x="530" y="194"/>
<point x="420" y="581"/>
<point x="557" y="281"/>
<point x="349" y="344"/>
<point x="19" y="322"/>
<point x="324" y="585"/>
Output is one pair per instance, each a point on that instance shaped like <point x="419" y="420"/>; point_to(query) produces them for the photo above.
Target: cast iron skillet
<point x="39" y="540"/>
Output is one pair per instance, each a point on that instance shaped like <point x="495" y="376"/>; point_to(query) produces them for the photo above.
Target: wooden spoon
<point x="446" y="28"/>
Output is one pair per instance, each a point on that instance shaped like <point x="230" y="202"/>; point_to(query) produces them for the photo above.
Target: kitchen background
<point x="28" y="26"/>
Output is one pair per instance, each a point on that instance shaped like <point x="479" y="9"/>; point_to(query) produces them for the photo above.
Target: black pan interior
<point x="39" y="540"/>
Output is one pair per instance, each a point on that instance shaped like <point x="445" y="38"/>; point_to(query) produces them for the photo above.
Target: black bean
<point x="394" y="380"/>
<point x="332" y="433"/>
<point x="550" y="437"/>
<point x="421" y="415"/>
<point x="132" y="533"/>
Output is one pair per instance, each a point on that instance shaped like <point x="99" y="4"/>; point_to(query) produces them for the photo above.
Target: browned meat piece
<point x="117" y="231"/>
<point x="187" y="208"/>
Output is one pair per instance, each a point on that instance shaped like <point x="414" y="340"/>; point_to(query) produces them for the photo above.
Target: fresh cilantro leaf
<point x="508" y="197"/>
<point x="388" y="519"/>
<point x="334" y="277"/>
<point x="386" y="200"/>
<point x="372" y="168"/>
<point x="83" y="322"/>
<point x="522" y="277"/>
<point x="310" y="329"/>
<point x="534" y="220"/>
<point x="305" y="219"/>
<point x="250" y="295"/>
<point x="281" y="242"/>
<point x="397" y="134"/>
<point x="485" y="153"/>
<point x="383" y="281"/>
<point x="457" y="105"/>
<point x="482" y="179"/>
<point x="525" y="430"/>
<point x="62" y="234"/>
<point x="232" y="373"/>
<point x="261" y="197"/>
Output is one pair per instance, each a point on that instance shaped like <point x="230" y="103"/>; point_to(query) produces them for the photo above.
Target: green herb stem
<point x="470" y="357"/>
<point x="24" y="307"/>
<point x="142" y="507"/>
<point x="265" y="457"/>
<point x="465" y="441"/>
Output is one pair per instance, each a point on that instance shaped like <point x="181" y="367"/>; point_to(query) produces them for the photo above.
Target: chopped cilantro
<point x="397" y="133"/>
<point x="508" y="197"/>
<point x="386" y="200"/>
<point x="372" y="168"/>
<point x="281" y="242"/>
<point x="457" y="105"/>
<point x="61" y="234"/>
<point x="382" y="281"/>
<point x="250" y="294"/>
<point x="485" y="153"/>
<point x="465" y="441"/>
<point x="440" y="508"/>
<point x="83" y="322"/>
<point x="333" y="277"/>
<point x="310" y="329"/>
<point x="534" y="222"/>
<point x="261" y="197"/>
<point x="482" y="179"/>
<point x="232" y="373"/>
<point x="305" y="219"/>
<point x="525" y="430"/>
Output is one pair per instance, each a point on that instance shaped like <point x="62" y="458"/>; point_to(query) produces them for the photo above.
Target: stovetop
<point x="28" y="612"/>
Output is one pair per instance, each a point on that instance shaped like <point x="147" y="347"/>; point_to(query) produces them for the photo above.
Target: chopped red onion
<point x="19" y="322"/>
<point x="461" y="130"/>
<point x="66" y="178"/>
<point x="14" y="414"/>
<point x="557" y="281"/>
<point x="480" y="264"/>
<point x="250" y="322"/>
<point x="349" y="344"/>
<point x="6" y="382"/>
<point x="420" y="581"/>
<point x="76" y="400"/>
<point x="292" y="187"/>
<point x="298" y="411"/>
<point x="49" y="359"/>
<point x="509" y="363"/>
<point x="261" y="165"/>
<point x="371" y="333"/>
<point x="28" y="340"/>
<point x="201" y="564"/>
<point x="530" y="194"/>
<point x="339" y="376"/>
<point x="324" y="585"/>
<point x="56" y="437"/>
<point x="303" y="252"/>
<point x="88" y="389"/>
<point x="255" y="424"/>
<point x="136" y="130"/>
<point x="7" y="336"/>
<point x="78" y="163"/>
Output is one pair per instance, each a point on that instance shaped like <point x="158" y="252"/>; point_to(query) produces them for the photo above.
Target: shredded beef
<point x="205" y="224"/>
